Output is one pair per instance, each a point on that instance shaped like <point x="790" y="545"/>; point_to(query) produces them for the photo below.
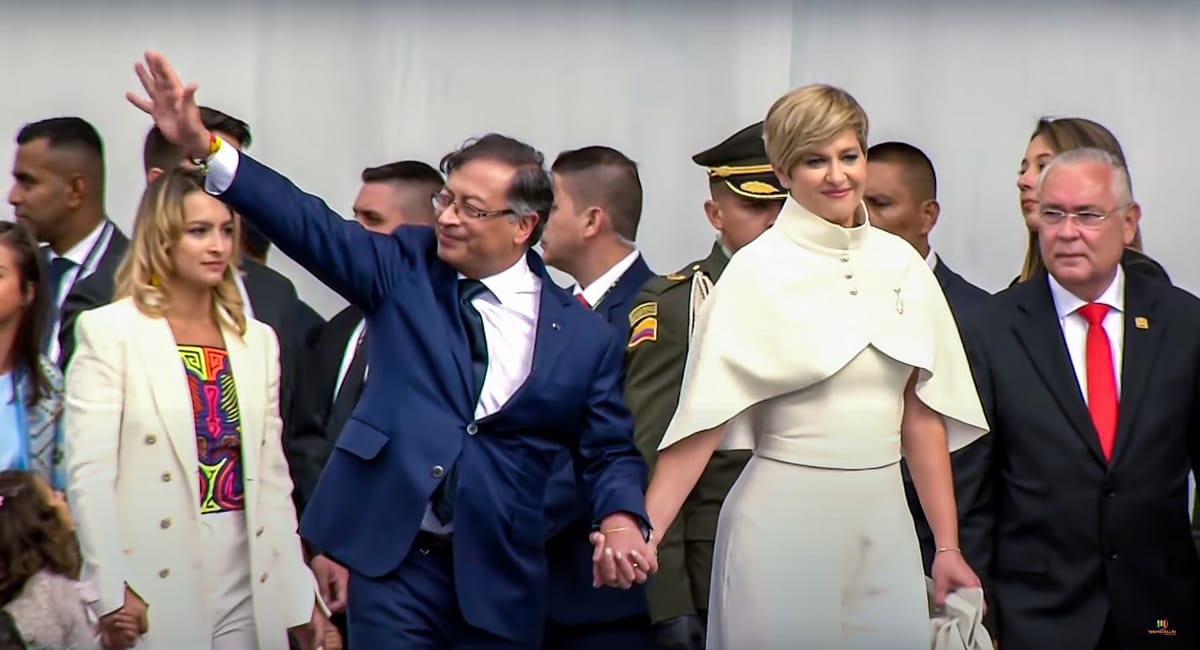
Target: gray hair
<point x="1122" y="189"/>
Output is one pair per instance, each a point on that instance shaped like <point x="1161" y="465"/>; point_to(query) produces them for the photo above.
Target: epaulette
<point x="661" y="283"/>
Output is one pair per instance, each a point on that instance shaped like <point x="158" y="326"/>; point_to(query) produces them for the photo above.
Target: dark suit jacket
<point x="93" y="291"/>
<point x="307" y="442"/>
<point x="1076" y="538"/>
<point x="416" y="415"/>
<point x="275" y="302"/>
<point x="969" y="465"/>
<point x="573" y="600"/>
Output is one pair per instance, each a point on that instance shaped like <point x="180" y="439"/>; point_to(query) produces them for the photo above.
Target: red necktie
<point x="583" y="301"/>
<point x="1101" y="380"/>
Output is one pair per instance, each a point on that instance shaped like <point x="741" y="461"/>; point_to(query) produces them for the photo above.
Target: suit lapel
<point x="169" y="388"/>
<point x="249" y="384"/>
<point x="445" y="287"/>
<point x="1143" y="331"/>
<point x="626" y="289"/>
<point x="1041" y="335"/>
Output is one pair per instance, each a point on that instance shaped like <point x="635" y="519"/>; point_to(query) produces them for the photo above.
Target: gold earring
<point x="154" y="279"/>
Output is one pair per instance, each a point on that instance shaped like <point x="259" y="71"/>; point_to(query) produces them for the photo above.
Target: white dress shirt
<point x="595" y="292"/>
<point x="1075" y="326"/>
<point x="931" y="260"/>
<point x="509" y="309"/>
<point x="348" y="355"/>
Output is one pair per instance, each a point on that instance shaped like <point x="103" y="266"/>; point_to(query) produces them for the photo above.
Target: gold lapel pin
<point x="1141" y="323"/>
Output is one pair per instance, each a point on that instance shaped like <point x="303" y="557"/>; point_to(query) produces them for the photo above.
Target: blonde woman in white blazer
<point x="175" y="468"/>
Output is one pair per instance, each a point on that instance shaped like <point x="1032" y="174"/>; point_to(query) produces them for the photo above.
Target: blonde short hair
<point x="158" y="225"/>
<point x="807" y="117"/>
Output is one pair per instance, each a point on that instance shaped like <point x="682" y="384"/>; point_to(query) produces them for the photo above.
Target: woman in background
<point x="176" y="471"/>
<point x="30" y="384"/>
<point x="1050" y="138"/>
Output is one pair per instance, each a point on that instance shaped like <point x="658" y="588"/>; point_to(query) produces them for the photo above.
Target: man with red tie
<point x="1090" y="378"/>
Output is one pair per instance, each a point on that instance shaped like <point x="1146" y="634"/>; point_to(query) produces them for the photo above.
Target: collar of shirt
<point x="931" y="260"/>
<point x="1067" y="303"/>
<point x="79" y="252"/>
<point x="513" y="281"/>
<point x="595" y="291"/>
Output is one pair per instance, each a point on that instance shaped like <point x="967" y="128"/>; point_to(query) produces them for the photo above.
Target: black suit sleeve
<point x="975" y="471"/>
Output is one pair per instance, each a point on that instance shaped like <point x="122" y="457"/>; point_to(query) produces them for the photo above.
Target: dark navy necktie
<point x="443" y="496"/>
<point x="59" y="266"/>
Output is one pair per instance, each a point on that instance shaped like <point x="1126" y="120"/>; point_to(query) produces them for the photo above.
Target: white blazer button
<point x="263" y="578"/>
<point x="151" y="438"/>
<point x="166" y="477"/>
<point x="165" y="523"/>
<point x="164" y="573"/>
<point x="259" y="532"/>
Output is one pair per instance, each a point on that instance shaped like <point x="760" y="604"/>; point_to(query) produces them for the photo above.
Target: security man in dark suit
<point x="745" y="200"/>
<point x="590" y="236"/>
<point x="901" y="198"/>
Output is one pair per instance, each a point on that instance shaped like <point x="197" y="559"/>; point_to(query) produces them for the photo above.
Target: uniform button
<point x="438" y="470"/>
<point x="166" y="477"/>
<point x="854" y="292"/>
<point x="164" y="573"/>
<point x="259" y="532"/>
<point x="845" y="258"/>
<point x="151" y="438"/>
<point x="165" y="523"/>
<point x="472" y="429"/>
<point x="262" y="578"/>
<point x="849" y="275"/>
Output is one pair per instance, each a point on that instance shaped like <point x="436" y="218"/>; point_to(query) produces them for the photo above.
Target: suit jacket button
<point x="472" y="429"/>
<point x="165" y="523"/>
<point x="438" y="470"/>
<point x="151" y="438"/>
<point x="164" y="573"/>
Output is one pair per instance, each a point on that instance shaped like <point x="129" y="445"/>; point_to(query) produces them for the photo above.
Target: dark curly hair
<point x="32" y="535"/>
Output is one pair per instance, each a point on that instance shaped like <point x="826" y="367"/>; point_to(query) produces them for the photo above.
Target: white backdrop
<point x="330" y="88"/>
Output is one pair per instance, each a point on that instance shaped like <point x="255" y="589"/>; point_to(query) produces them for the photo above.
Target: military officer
<point x="745" y="199"/>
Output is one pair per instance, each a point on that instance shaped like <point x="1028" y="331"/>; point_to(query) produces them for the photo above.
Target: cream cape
<point x="800" y="302"/>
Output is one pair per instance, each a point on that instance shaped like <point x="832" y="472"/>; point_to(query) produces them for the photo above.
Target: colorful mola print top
<point x="218" y="427"/>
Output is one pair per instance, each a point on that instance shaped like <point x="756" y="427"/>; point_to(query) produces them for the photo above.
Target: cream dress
<point x="803" y="351"/>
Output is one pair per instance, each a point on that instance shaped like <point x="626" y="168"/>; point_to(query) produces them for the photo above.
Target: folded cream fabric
<point x="958" y="625"/>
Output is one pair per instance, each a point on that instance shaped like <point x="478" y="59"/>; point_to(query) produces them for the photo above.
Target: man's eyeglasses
<point x="444" y="199"/>
<point x="1052" y="216"/>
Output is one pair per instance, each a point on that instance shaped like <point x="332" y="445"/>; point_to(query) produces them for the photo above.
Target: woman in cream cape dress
<point x="803" y="352"/>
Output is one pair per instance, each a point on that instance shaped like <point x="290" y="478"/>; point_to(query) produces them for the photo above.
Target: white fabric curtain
<point x="330" y="88"/>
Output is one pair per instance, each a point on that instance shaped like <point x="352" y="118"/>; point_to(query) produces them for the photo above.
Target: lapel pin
<point x="1141" y="323"/>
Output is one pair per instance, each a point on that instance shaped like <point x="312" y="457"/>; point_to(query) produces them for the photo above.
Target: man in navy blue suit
<point x="901" y="197"/>
<point x="590" y="235"/>
<point x="482" y="373"/>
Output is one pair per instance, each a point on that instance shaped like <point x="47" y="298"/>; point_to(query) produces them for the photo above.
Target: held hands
<point x="950" y="573"/>
<point x="332" y="581"/>
<point x="318" y="633"/>
<point x="622" y="555"/>
<point x="171" y="104"/>
<point x="122" y="628"/>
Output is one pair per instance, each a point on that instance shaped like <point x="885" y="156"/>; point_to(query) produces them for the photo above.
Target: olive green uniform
<point x="662" y="314"/>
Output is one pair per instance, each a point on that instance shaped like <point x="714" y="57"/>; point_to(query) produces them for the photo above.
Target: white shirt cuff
<point x="222" y="167"/>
